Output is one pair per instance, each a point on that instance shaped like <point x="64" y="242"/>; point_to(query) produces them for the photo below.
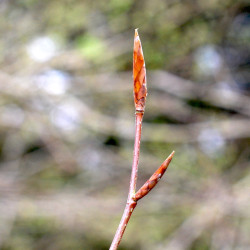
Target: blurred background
<point x="67" y="123"/>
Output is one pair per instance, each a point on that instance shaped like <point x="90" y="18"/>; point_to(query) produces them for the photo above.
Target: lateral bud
<point x="153" y="180"/>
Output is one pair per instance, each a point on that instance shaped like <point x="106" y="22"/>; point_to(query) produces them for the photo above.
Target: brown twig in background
<point x="140" y="93"/>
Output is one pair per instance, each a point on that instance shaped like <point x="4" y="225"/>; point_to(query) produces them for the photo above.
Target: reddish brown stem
<point x="134" y="173"/>
<point x="133" y="198"/>
<point x="140" y="94"/>
<point x="131" y="204"/>
<point x="123" y="223"/>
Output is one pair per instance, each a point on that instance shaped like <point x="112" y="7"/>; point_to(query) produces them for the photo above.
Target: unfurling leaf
<point x="139" y="74"/>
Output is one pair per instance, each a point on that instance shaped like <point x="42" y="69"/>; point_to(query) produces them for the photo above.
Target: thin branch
<point x="140" y="93"/>
<point x="134" y="173"/>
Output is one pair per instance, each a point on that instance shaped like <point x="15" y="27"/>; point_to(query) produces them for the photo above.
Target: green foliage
<point x="91" y="47"/>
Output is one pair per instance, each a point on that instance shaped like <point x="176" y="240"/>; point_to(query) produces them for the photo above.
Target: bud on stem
<point x="139" y="74"/>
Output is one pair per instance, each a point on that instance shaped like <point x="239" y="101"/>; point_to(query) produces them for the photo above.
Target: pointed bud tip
<point x="136" y="33"/>
<point x="172" y="154"/>
<point x="169" y="157"/>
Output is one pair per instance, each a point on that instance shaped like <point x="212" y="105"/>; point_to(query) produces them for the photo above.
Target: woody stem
<point x="134" y="173"/>
<point x="131" y="204"/>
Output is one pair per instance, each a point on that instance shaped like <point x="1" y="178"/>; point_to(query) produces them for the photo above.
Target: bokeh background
<point x="67" y="123"/>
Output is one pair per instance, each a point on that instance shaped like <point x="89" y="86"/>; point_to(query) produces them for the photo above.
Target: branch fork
<point x="140" y="94"/>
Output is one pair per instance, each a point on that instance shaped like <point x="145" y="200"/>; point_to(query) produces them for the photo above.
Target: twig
<point x="140" y="93"/>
